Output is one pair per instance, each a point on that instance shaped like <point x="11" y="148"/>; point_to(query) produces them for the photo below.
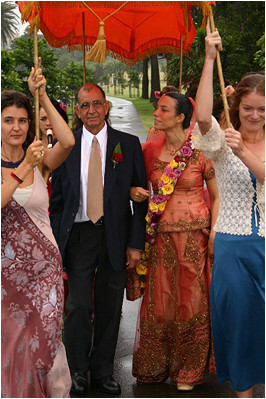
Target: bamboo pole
<point x="181" y="63"/>
<point x="83" y="47"/>
<point x="36" y="96"/>
<point x="220" y="74"/>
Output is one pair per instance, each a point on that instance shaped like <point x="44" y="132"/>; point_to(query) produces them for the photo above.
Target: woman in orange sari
<point x="174" y="334"/>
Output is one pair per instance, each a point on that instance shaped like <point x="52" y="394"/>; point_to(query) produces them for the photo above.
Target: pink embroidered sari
<point x="33" y="356"/>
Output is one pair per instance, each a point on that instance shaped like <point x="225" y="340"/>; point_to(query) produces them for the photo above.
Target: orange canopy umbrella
<point x="130" y="31"/>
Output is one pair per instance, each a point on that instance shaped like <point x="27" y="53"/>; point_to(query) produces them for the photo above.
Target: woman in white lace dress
<point x="237" y="287"/>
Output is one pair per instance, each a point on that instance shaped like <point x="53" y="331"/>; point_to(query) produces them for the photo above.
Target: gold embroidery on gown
<point x="174" y="335"/>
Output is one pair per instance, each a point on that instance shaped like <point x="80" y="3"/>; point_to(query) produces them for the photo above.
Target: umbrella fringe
<point x="145" y="54"/>
<point x="133" y="4"/>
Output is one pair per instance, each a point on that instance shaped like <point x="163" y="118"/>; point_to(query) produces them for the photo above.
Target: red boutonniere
<point x="117" y="155"/>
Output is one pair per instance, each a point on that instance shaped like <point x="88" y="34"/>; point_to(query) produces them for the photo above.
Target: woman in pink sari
<point x="34" y="362"/>
<point x="173" y="336"/>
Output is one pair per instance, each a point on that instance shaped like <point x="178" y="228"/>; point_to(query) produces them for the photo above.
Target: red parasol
<point x="131" y="30"/>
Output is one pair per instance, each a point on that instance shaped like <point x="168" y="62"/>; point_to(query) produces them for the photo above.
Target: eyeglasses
<point x="96" y="104"/>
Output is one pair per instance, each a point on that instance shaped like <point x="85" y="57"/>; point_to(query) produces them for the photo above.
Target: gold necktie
<point x="95" y="184"/>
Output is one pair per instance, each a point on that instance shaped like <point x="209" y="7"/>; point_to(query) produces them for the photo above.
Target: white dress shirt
<point x="86" y="144"/>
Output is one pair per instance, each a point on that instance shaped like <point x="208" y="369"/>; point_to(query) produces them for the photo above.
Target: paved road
<point x="130" y="389"/>
<point x="124" y="117"/>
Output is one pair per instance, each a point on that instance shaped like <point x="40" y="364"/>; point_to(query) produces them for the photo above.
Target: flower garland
<point x="157" y="203"/>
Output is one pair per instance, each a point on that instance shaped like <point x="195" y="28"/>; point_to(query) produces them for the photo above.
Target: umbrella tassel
<point x="97" y="52"/>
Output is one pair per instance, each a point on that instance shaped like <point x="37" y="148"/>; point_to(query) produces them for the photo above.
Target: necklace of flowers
<point x="157" y="203"/>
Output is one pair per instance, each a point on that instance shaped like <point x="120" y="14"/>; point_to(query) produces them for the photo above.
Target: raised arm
<point x="204" y="97"/>
<point x="53" y="157"/>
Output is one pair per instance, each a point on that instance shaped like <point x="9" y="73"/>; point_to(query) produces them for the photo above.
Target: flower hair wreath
<point x="157" y="203"/>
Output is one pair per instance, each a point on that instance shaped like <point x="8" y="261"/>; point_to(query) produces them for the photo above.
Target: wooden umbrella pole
<point x="36" y="97"/>
<point x="220" y="74"/>
<point x="83" y="47"/>
<point x="181" y="63"/>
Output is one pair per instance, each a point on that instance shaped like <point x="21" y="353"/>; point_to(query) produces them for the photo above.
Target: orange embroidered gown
<point x="173" y="336"/>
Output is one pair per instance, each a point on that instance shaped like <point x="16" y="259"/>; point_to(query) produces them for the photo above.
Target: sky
<point x="23" y="26"/>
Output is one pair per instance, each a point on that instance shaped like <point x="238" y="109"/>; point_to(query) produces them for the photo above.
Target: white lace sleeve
<point x="260" y="188"/>
<point x="212" y="142"/>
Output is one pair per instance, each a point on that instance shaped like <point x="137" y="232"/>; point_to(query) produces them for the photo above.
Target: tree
<point x="245" y="22"/>
<point x="23" y="53"/>
<point x="145" y="79"/>
<point x="134" y="80"/>
<point x="155" y="77"/>
<point x="9" y="22"/>
<point x="119" y="77"/>
<point x="259" y="56"/>
<point x="71" y="79"/>
<point x="105" y="80"/>
<point x="9" y="77"/>
<point x="240" y="35"/>
<point x="65" y="57"/>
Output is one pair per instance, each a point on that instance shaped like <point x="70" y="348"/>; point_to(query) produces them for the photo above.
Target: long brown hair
<point x="253" y="82"/>
<point x="20" y="100"/>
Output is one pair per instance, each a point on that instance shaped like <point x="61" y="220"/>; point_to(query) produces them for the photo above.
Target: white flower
<point x="9" y="252"/>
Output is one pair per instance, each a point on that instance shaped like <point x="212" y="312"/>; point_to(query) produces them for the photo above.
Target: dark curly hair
<point x="15" y="98"/>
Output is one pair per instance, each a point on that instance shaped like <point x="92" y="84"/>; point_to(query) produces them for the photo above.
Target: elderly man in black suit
<point x="98" y="239"/>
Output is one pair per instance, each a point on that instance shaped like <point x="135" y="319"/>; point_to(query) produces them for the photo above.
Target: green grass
<point x="145" y="111"/>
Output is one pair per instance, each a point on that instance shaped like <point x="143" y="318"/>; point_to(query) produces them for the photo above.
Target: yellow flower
<point x="142" y="285"/>
<point x="166" y="179"/>
<point x="144" y="256"/>
<point x="173" y="164"/>
<point x="168" y="189"/>
<point x="147" y="246"/>
<point x="141" y="269"/>
<point x="162" y="206"/>
<point x="147" y="218"/>
<point x="153" y="207"/>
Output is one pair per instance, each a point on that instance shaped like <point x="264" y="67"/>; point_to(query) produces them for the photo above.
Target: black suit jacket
<point x="122" y="227"/>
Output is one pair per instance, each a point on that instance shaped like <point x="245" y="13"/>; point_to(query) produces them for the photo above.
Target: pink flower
<point x="154" y="226"/>
<point x="63" y="106"/>
<point x="170" y="172"/>
<point x="186" y="151"/>
<point x="177" y="173"/>
<point x="158" y="199"/>
<point x="160" y="183"/>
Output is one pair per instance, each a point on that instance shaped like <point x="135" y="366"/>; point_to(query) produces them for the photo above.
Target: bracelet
<point x="16" y="178"/>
